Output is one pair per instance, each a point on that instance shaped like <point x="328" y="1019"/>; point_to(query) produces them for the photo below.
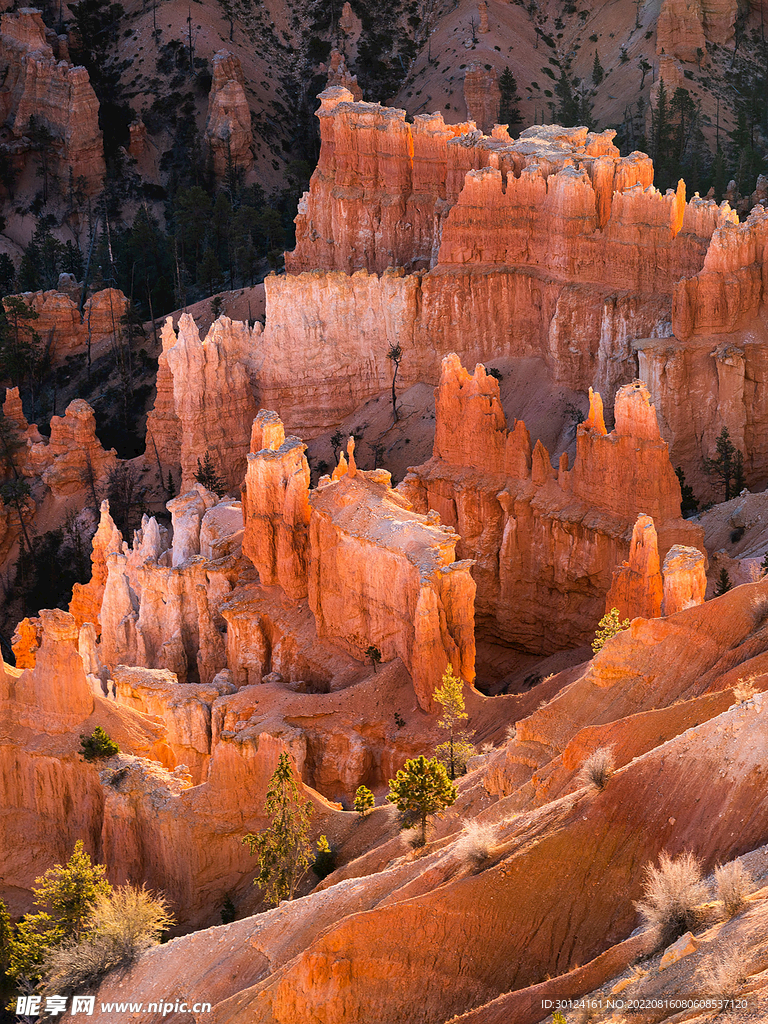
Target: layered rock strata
<point x="544" y="541"/>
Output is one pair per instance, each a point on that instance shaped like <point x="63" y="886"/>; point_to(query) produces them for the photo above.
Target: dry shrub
<point x="121" y="926"/>
<point x="597" y="768"/>
<point x="744" y="690"/>
<point x="672" y="893"/>
<point x="734" y="884"/>
<point x="724" y="973"/>
<point x="476" y="842"/>
<point x="510" y="734"/>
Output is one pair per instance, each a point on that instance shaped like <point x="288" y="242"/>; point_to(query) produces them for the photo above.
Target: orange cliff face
<point x="544" y="542"/>
<point x="61" y="326"/>
<point x="550" y="245"/>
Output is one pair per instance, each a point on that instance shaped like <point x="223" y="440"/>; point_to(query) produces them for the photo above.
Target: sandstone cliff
<point x="545" y="542"/>
<point x="62" y="328"/>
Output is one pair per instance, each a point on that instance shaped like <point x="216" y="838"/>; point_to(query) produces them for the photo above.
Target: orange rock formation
<point x="544" y="542"/>
<point x="205" y="399"/>
<point x="228" y="128"/>
<point x="63" y="329"/>
<point x="481" y="92"/>
<point x="59" y="96"/>
<point x="351" y="545"/>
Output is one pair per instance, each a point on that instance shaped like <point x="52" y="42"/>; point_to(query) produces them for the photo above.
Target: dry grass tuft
<point x="734" y="884"/>
<point x="672" y="893"/>
<point x="724" y="973"/>
<point x="598" y="768"/>
<point x="510" y="734"/>
<point x="476" y="842"/>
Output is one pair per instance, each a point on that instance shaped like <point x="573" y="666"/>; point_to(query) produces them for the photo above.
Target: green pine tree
<point x="597" y="70"/>
<point x="364" y="800"/>
<point x="727" y="466"/>
<point x="688" y="503"/>
<point x="723" y="583"/>
<point x="420" y="789"/>
<point x="450" y="696"/>
<point x="608" y="626"/>
<point x="509" y="109"/>
<point x="97" y="745"/>
<point x="284" y="850"/>
<point x="207" y="476"/>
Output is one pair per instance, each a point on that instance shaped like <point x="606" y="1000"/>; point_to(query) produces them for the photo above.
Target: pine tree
<point x="724" y="465"/>
<point x="450" y="696"/>
<point x="283" y="847"/>
<point x="608" y="626"/>
<point x="509" y="110"/>
<point x="374" y="654"/>
<point x="723" y="583"/>
<point x="568" y="107"/>
<point x="688" y="503"/>
<point x="420" y="789"/>
<point x="207" y="476"/>
<point x="597" y="70"/>
<point x="364" y="800"/>
<point x="661" y="140"/>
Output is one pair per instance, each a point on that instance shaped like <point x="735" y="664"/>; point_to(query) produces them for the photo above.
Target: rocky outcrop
<point x="72" y="460"/>
<point x="161" y="608"/>
<point x="350" y="546"/>
<point x="373" y="196"/>
<point x="680" y="30"/>
<point x="685" y="579"/>
<point x="64" y="330"/>
<point x="340" y="75"/>
<point x="637" y="585"/>
<point x="482" y="95"/>
<point x="228" y="127"/>
<point x="640" y="587"/>
<point x="59" y="96"/>
<point x="85" y="605"/>
<point x="276" y="507"/>
<point x="544" y="542"/>
<point x="206" y="399"/>
<point x="383" y="575"/>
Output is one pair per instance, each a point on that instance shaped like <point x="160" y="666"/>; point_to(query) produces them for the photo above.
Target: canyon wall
<point x="549" y="245"/>
<point x="228" y="127"/>
<point x="544" y="542"/>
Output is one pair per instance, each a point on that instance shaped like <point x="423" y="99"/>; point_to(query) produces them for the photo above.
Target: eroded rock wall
<point x="545" y="542"/>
